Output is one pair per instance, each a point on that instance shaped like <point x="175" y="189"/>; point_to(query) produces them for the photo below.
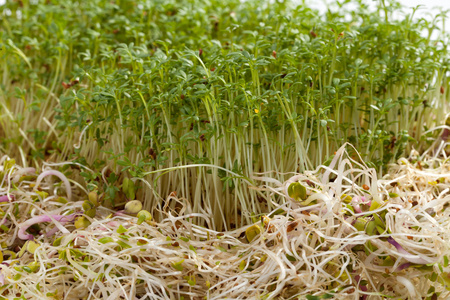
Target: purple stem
<point x="415" y="259"/>
<point x="402" y="267"/>
<point x="361" y="287"/>
<point x="365" y="201"/>
<point x="120" y="213"/>
<point x="355" y="204"/>
<point x="6" y="198"/>
<point x="41" y="219"/>
<point x="445" y="134"/>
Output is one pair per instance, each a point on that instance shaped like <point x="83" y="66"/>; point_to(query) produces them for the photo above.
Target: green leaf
<point x="178" y="266"/>
<point x="242" y="265"/>
<point x="122" y="163"/>
<point x="374" y="205"/>
<point x="371" y="226"/>
<point x="221" y="248"/>
<point x="121" y="229"/>
<point x="57" y="242"/>
<point x="105" y="240"/>
<point x="143" y="215"/>
<point x="123" y="245"/>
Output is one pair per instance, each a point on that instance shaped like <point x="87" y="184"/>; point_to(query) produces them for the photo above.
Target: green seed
<point x="252" y="232"/>
<point x="133" y="207"/>
<point x="91" y="212"/>
<point x="93" y="198"/>
<point x="346" y="198"/>
<point x="297" y="191"/>
<point x="86" y="205"/>
<point x="81" y="222"/>
<point x="32" y="246"/>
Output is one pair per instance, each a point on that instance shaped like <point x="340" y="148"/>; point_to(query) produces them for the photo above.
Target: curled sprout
<point x="62" y="219"/>
<point x="60" y="176"/>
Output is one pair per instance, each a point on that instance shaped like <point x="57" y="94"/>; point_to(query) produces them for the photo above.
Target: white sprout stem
<point x="60" y="176"/>
<point x="78" y="145"/>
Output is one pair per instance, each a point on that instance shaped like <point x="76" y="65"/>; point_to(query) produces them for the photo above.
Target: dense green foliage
<point x="251" y="87"/>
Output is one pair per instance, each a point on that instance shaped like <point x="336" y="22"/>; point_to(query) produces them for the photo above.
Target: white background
<point x="428" y="3"/>
<point x="427" y="8"/>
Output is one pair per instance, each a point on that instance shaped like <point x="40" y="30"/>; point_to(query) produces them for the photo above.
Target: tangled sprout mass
<point x="340" y="232"/>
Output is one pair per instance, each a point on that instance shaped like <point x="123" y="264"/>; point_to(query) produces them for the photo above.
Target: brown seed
<point x="152" y="153"/>
<point x="291" y="226"/>
<point x="274" y="54"/>
<point x="200" y="52"/>
<point x="176" y="244"/>
<point x="366" y="187"/>
<point x="442" y="90"/>
<point x="313" y="34"/>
